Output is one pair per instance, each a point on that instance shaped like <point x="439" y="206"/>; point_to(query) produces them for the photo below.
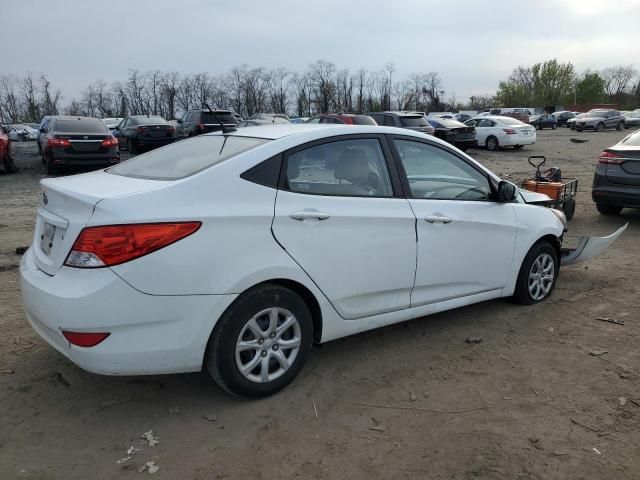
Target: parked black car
<point x="563" y="117"/>
<point x="546" y="120"/>
<point x="197" y="122"/>
<point x="616" y="182"/>
<point x="454" y="132"/>
<point x="77" y="141"/>
<point x="144" y="131"/>
<point x="598" y="119"/>
<point x="411" y="120"/>
<point x="43" y="124"/>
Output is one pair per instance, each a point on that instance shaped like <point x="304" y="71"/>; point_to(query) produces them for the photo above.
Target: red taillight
<point x="141" y="129"/>
<point x="610" y="157"/>
<point x="509" y="131"/>
<point x="171" y="129"/>
<point x="115" y="244"/>
<point x="85" y="339"/>
<point x="347" y="120"/>
<point x="201" y="126"/>
<point x="58" y="142"/>
<point x="110" y="142"/>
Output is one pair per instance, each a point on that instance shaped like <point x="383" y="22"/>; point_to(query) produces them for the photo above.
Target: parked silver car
<point x="599" y="119"/>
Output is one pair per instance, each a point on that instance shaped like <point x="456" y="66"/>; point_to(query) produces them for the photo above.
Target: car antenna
<point x="225" y="129"/>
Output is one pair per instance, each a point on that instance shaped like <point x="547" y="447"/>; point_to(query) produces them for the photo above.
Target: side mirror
<point x="506" y="192"/>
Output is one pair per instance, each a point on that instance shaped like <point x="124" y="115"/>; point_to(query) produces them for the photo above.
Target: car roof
<point x="492" y="117"/>
<point x="320" y="130"/>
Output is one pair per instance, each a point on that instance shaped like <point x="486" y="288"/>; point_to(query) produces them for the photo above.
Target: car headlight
<point x="561" y="216"/>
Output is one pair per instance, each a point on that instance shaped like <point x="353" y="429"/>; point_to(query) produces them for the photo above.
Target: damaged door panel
<point x="590" y="247"/>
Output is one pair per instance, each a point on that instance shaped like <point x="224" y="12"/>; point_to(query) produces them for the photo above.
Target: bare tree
<point x="618" y="81"/>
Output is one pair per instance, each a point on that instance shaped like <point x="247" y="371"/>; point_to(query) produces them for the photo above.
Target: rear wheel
<point x="620" y="126"/>
<point x="607" y="209"/>
<point x="579" y="129"/>
<point x="573" y="127"/>
<point x="131" y="146"/>
<point x="52" y="168"/>
<point x="8" y="165"/>
<point x="492" y="143"/>
<point x="260" y="343"/>
<point x="600" y="127"/>
<point x="554" y="126"/>
<point x="538" y="273"/>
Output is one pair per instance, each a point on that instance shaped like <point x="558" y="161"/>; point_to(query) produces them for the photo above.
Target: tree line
<point x="555" y="83"/>
<point x="321" y="88"/>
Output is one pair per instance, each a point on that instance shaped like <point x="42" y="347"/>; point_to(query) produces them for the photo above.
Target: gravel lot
<point x="537" y="399"/>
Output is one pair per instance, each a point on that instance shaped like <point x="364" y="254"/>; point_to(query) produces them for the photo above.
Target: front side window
<point x="436" y="174"/>
<point x="342" y="168"/>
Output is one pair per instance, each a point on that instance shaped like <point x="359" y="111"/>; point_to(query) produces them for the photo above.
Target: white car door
<point x="340" y="218"/>
<point x="466" y="241"/>
<point x="481" y="132"/>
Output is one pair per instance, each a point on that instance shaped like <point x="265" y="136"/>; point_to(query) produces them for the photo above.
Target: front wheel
<point x="538" y="273"/>
<point x="620" y="126"/>
<point x="260" y="343"/>
<point x="554" y="126"/>
<point x="131" y="146"/>
<point x="600" y="127"/>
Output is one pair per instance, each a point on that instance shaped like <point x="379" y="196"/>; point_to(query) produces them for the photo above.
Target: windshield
<point x="597" y="113"/>
<point x="416" y="121"/>
<point x="216" y="118"/>
<point x="513" y="122"/>
<point x="185" y="158"/>
<point x="87" y="125"/>
<point x="149" y="120"/>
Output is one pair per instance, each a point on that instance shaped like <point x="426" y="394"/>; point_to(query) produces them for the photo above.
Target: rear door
<point x="340" y="215"/>
<point x="465" y="240"/>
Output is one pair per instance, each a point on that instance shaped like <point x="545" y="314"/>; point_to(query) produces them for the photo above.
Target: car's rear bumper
<point x="622" y="195"/>
<point x="511" y="140"/>
<point x="149" y="334"/>
<point x="152" y="142"/>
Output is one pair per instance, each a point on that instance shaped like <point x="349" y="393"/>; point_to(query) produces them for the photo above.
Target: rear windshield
<point x="363" y="120"/>
<point x="86" y="125"/>
<point x="185" y="158"/>
<point x="208" y="117"/>
<point x="632" y="140"/>
<point x="416" y="121"/>
<point x="149" y="121"/>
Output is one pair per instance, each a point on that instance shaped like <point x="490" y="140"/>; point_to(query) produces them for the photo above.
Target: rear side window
<point x="346" y="168"/>
<point x="86" y="125"/>
<point x="211" y="118"/>
<point x="389" y="121"/>
<point x="185" y="158"/>
<point x="413" y="121"/>
<point x="632" y="140"/>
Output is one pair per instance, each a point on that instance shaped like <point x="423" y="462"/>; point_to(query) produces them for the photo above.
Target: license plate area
<point x="46" y="238"/>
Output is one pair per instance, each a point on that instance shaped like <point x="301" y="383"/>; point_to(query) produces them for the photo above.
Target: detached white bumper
<point x="590" y="247"/>
<point x="149" y="334"/>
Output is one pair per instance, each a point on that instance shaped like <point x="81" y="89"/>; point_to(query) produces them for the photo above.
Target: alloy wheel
<point x="268" y="345"/>
<point x="541" y="276"/>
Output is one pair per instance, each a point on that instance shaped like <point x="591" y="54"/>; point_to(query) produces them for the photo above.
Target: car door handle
<point x="309" y="214"/>
<point x="437" y="219"/>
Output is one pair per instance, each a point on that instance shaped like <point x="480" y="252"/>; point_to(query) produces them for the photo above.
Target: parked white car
<point x="22" y="133"/>
<point x="235" y="251"/>
<point x="495" y="131"/>
<point x="112" y="123"/>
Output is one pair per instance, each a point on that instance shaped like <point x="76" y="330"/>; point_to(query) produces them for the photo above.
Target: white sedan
<point x="495" y="131"/>
<point x="236" y="251"/>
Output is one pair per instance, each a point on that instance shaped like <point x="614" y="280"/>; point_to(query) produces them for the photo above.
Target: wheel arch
<point x="553" y="240"/>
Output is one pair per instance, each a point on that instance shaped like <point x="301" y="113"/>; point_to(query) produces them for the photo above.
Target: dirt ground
<point x="550" y="392"/>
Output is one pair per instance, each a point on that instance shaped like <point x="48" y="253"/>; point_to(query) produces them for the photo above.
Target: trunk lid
<point x="627" y="172"/>
<point x="81" y="143"/>
<point x="67" y="204"/>
<point x="156" y="131"/>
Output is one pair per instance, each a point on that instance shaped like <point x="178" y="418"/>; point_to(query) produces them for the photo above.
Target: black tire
<point x="492" y="143"/>
<point x="573" y="127"/>
<point x="620" y="126"/>
<point x="52" y="169"/>
<point x="131" y="146"/>
<point x="539" y="127"/>
<point x="8" y="165"/>
<point x="517" y="147"/>
<point x="608" y="209"/>
<point x="220" y="359"/>
<point x="554" y="126"/>
<point x="600" y="127"/>
<point x="569" y="208"/>
<point x="579" y="129"/>
<point x="522" y="294"/>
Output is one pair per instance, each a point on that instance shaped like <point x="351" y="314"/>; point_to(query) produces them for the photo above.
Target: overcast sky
<point x="472" y="43"/>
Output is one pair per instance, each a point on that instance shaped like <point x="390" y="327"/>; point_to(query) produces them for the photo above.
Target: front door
<point x="465" y="240"/>
<point x="339" y="217"/>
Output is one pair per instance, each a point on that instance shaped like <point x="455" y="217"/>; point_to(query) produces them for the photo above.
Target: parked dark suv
<point x="411" y="120"/>
<point x="599" y="119"/>
<point x="616" y="182"/>
<point x="144" y="131"/>
<point x="77" y="141"/>
<point x="197" y="122"/>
